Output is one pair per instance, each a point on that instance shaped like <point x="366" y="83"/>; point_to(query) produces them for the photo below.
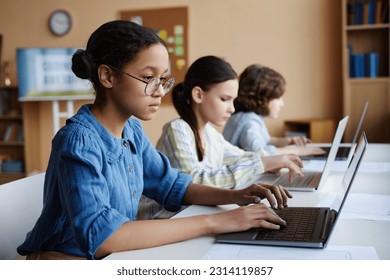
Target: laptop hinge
<point x="330" y="217"/>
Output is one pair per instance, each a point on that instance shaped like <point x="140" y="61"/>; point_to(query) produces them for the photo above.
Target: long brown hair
<point x="205" y="72"/>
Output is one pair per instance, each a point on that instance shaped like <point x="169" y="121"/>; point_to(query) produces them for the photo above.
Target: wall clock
<point x="60" y="22"/>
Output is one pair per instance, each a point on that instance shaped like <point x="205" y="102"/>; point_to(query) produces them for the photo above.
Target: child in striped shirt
<point x="204" y="100"/>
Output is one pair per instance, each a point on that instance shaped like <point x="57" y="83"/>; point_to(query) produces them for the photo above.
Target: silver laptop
<point x="308" y="227"/>
<point x="346" y="150"/>
<point x="311" y="181"/>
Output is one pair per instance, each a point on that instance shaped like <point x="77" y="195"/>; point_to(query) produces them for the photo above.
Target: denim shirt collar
<point x="113" y="145"/>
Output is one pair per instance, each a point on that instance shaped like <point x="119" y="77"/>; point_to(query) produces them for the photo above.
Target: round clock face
<point x="60" y="22"/>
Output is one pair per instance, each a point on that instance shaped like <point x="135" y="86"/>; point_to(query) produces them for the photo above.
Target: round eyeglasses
<point x="152" y="84"/>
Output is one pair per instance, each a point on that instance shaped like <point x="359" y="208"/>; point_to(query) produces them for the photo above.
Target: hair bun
<point x="82" y="64"/>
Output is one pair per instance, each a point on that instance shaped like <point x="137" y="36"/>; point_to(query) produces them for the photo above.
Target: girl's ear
<point x="105" y="76"/>
<point x="197" y="95"/>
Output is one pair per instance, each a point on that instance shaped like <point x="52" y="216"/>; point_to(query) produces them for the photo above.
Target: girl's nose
<point x="231" y="108"/>
<point x="159" y="91"/>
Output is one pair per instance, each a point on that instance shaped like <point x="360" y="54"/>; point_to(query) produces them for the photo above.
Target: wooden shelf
<point x="369" y="80"/>
<point x="318" y="130"/>
<point x="363" y="39"/>
<point x="367" y="26"/>
<point x="11" y="130"/>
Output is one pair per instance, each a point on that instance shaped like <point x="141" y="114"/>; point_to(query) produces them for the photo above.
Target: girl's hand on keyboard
<point x="290" y="161"/>
<point x="244" y="218"/>
<point x="276" y="195"/>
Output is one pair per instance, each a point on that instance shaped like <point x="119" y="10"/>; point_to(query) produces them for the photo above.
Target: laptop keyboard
<point x="300" y="225"/>
<point x="299" y="181"/>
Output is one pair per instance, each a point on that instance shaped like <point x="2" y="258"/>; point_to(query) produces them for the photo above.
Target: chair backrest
<point x="20" y="206"/>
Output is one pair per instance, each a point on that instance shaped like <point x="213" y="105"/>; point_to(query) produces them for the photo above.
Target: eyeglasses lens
<point x="154" y="83"/>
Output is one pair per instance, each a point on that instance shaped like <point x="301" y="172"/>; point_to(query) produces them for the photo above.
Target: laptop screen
<point x="350" y="173"/>
<point x="359" y="126"/>
<point x="333" y="150"/>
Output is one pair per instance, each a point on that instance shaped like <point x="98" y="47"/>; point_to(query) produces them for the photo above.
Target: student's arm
<point x="270" y="163"/>
<point x="280" y="141"/>
<point x="151" y="233"/>
<point x="290" y="161"/>
<point x="284" y="141"/>
<point x="277" y="196"/>
<point x="305" y="150"/>
<point x="240" y="169"/>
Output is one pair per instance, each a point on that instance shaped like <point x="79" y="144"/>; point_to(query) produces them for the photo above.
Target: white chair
<point x="20" y="206"/>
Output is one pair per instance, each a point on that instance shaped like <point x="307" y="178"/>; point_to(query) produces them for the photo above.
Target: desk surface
<point x="348" y="232"/>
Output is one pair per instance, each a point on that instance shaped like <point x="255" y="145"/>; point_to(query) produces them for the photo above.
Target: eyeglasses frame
<point x="170" y="80"/>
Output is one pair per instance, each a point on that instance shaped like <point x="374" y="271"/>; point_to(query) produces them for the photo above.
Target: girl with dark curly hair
<point x="260" y="95"/>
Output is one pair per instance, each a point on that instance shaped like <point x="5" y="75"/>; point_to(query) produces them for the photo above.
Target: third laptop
<point x="346" y="150"/>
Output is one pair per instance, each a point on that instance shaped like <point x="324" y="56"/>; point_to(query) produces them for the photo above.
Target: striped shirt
<point x="224" y="165"/>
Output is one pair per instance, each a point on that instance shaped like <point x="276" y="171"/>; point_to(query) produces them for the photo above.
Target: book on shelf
<point x="357" y="65"/>
<point x="358" y="8"/>
<point x="12" y="132"/>
<point x="371" y="11"/>
<point x="372" y="64"/>
<point x="363" y="64"/>
<point x="367" y="12"/>
<point x="7" y="133"/>
<point x="350" y="58"/>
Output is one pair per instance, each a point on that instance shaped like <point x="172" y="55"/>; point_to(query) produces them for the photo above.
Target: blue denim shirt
<point x="248" y="131"/>
<point x="94" y="182"/>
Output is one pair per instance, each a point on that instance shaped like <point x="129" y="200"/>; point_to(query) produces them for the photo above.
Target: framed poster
<point x="171" y="25"/>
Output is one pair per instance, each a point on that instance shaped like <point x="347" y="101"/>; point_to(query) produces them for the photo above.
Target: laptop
<point x="345" y="151"/>
<point x="311" y="232"/>
<point x="311" y="181"/>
